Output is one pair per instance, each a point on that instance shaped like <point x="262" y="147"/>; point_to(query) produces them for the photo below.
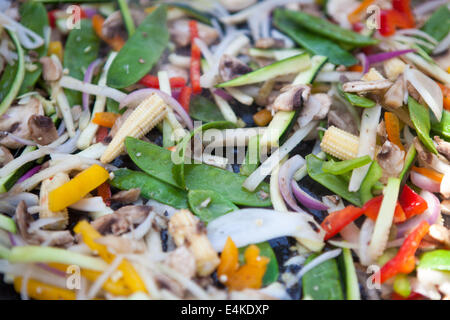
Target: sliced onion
<point x="428" y="90"/>
<point x="42" y="222"/>
<point x="75" y="84"/>
<point x="306" y="199"/>
<point x="285" y="175"/>
<point x="364" y="238"/>
<point x="15" y="164"/>
<point x="87" y="79"/>
<point x="335" y="76"/>
<point x="223" y="94"/>
<point x="134" y="98"/>
<point x="364" y="61"/>
<point x="18" y="139"/>
<point x="93" y="204"/>
<point x="424" y="182"/>
<point x="29" y="173"/>
<point x="142" y="229"/>
<point x="70" y="145"/>
<point x="418" y="33"/>
<point x="431" y="215"/>
<point x="380" y="57"/>
<point x="249" y="226"/>
<point x="443" y="45"/>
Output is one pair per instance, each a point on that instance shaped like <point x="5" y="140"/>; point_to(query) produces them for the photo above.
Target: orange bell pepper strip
<point x="117" y="288"/>
<point x="105" y="119"/>
<point x="74" y="190"/>
<point x="393" y="129"/>
<point x="446" y="94"/>
<point x="104" y="191"/>
<point x="115" y="43"/>
<point x="429" y="173"/>
<point x="404" y="261"/>
<point x="338" y="220"/>
<point x="42" y="291"/>
<point x="262" y="118"/>
<point x="130" y="275"/>
<point x="372" y="207"/>
<point x="356" y="68"/>
<point x="356" y="15"/>
<point x="229" y="259"/>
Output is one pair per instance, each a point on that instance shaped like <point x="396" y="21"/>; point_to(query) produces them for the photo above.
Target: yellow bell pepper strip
<point x="118" y="288"/>
<point x="356" y="15"/>
<point x="42" y="291"/>
<point x="56" y="48"/>
<point x="249" y="275"/>
<point x="74" y="190"/>
<point x="89" y="235"/>
<point x="393" y="129"/>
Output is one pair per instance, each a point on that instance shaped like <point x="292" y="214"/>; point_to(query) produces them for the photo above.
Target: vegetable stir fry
<point x="225" y="149"/>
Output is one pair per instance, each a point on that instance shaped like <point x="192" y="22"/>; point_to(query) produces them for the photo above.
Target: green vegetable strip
<point x="351" y="280"/>
<point x="129" y="23"/>
<point x="373" y="175"/>
<point x="442" y="128"/>
<point x="402" y="286"/>
<point x="437" y="260"/>
<point x="420" y="117"/>
<point x="9" y="93"/>
<point x="409" y="160"/>
<point x="359" y="101"/>
<point x="341" y="167"/>
<point x="438" y="25"/>
<point x="251" y="157"/>
<point x="8" y="224"/>
<point x="209" y="205"/>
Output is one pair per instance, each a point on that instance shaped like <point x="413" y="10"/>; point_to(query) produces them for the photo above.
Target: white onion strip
<point x="252" y="182"/>
<point x="318" y="260"/>
<point x="75" y="84"/>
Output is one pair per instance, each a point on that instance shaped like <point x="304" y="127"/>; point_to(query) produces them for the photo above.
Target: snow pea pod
<point x="323" y="282"/>
<point x="192" y="12"/>
<point x="157" y="162"/>
<point x="180" y="153"/>
<point x="209" y="205"/>
<point x="336" y="184"/>
<point x="34" y="17"/>
<point x="272" y="270"/>
<point x="359" y="101"/>
<point x="82" y="47"/>
<point x="151" y="188"/>
<point x="373" y="175"/>
<point x="328" y="30"/>
<point x="12" y="77"/>
<point x="341" y="167"/>
<point x="437" y="260"/>
<point x="142" y="50"/>
<point x="203" y="109"/>
<point x="420" y="117"/>
<point x="442" y="128"/>
<point x="438" y="25"/>
<point x="314" y="43"/>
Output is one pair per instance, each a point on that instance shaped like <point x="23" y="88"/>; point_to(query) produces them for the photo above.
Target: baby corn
<point x="186" y="229"/>
<point x="148" y="114"/>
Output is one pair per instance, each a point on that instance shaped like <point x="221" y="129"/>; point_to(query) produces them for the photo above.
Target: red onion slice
<point x="424" y="182"/>
<point x="29" y="173"/>
<point x="305" y="199"/>
<point x="134" y="98"/>
<point x="285" y="176"/>
<point x="364" y="61"/>
<point x="380" y="57"/>
<point x="431" y="215"/>
<point x="88" y="78"/>
<point x="223" y="94"/>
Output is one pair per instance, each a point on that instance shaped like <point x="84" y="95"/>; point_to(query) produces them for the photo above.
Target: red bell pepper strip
<point x="372" y="207"/>
<point x="195" y="58"/>
<point x="404" y="7"/>
<point x="404" y="261"/>
<point x="102" y="133"/>
<point x="104" y="191"/>
<point x="412" y="296"/>
<point x="411" y="202"/>
<point x="387" y="25"/>
<point x="153" y="82"/>
<point x="338" y="220"/>
<point x="52" y="18"/>
<point x="185" y="98"/>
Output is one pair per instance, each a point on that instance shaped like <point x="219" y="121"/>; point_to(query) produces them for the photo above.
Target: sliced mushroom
<point x="181" y="35"/>
<point x="114" y="25"/>
<point x="366" y="86"/>
<point x="394" y="96"/>
<point x="122" y="245"/>
<point x="5" y="156"/>
<point x="42" y="129"/>
<point x="127" y="196"/>
<point x="291" y="97"/>
<point x="413" y="92"/>
<point x="121" y="220"/>
<point x="443" y="147"/>
<point x="316" y="108"/>
<point x="269" y="43"/>
<point x="51" y="68"/>
<point x="381" y="131"/>
<point x="342" y="120"/>
<point x="391" y="159"/>
<point x="231" y="67"/>
<point x="237" y="5"/>
<point x="425" y="157"/>
<point x="439" y="234"/>
<point x="15" y="121"/>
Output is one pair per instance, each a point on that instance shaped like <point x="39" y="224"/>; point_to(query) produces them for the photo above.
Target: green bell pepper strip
<point x="81" y="49"/>
<point x="180" y="153"/>
<point x="34" y="17"/>
<point x="328" y="30"/>
<point x="272" y="270"/>
<point x="157" y="162"/>
<point x="126" y="15"/>
<point x="409" y="160"/>
<point x="251" y="161"/>
<point x="341" y="167"/>
<point x="336" y="184"/>
<point x="374" y="174"/>
<point x="323" y="282"/>
<point x="8" y="224"/>
<point x="402" y="286"/>
<point x="442" y="128"/>
<point x="151" y="188"/>
<point x="10" y="83"/>
<point x="209" y="205"/>
<point x="351" y="280"/>
<point x="437" y="260"/>
<point x="142" y="50"/>
<point x="420" y="117"/>
<point x="204" y="109"/>
<point x="313" y="43"/>
<point x="359" y="101"/>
